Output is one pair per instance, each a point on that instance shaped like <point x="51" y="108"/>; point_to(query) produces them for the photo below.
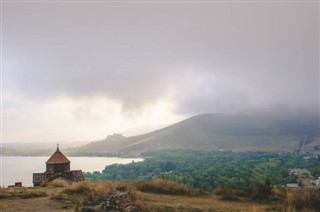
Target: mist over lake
<point x="20" y="169"/>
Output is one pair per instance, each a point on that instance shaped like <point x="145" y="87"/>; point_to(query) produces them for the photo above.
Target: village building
<point x="57" y="167"/>
<point x="293" y="186"/>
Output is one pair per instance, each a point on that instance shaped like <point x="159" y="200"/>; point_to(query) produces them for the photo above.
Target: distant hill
<point x="35" y="149"/>
<point x="215" y="132"/>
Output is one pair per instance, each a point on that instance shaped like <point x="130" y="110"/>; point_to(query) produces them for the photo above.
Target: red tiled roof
<point x="58" y="158"/>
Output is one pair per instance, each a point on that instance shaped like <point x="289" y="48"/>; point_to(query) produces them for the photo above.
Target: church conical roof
<point x="58" y="158"/>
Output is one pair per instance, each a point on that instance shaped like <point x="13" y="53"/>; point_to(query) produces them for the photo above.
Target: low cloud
<point x="197" y="57"/>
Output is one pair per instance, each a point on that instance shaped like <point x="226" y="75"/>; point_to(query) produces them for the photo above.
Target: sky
<point x="81" y="70"/>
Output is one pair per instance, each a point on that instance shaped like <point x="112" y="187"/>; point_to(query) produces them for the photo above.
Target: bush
<point x="227" y="193"/>
<point x="164" y="186"/>
<point x="262" y="191"/>
<point x="278" y="194"/>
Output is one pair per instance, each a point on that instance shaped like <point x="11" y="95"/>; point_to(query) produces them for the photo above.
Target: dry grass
<point x="84" y="193"/>
<point x="32" y="204"/>
<point x="307" y="200"/>
<point x="231" y="194"/>
<point x="278" y="199"/>
<point x="179" y="203"/>
<point x="164" y="186"/>
<point x="21" y="193"/>
<point x="75" y="196"/>
<point x="292" y="201"/>
<point x="57" y="183"/>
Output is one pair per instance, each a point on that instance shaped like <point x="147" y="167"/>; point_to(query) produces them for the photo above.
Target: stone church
<point x="57" y="167"/>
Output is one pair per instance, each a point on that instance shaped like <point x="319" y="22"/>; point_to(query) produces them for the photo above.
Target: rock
<point x="121" y="188"/>
<point x="112" y="208"/>
<point x="121" y="201"/>
<point x="96" y="208"/>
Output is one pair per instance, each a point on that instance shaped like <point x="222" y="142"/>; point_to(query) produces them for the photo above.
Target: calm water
<point x="20" y="169"/>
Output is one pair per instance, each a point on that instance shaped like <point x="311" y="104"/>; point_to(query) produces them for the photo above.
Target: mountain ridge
<point x="235" y="132"/>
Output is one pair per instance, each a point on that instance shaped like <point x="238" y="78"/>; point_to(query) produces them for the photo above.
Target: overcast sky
<point x="75" y="71"/>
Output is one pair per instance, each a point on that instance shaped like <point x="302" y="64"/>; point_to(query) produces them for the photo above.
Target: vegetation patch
<point x="164" y="186"/>
<point x="227" y="193"/>
<point x="208" y="170"/>
<point x="57" y="183"/>
<point x="22" y="193"/>
<point x="259" y="177"/>
<point x="308" y="199"/>
<point x="86" y="194"/>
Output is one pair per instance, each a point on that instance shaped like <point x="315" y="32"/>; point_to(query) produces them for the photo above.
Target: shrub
<point x="278" y="194"/>
<point x="262" y="191"/>
<point x="164" y="186"/>
<point x="197" y="192"/>
<point x="226" y="193"/>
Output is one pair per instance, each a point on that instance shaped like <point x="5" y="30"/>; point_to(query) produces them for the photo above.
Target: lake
<point x="20" y="169"/>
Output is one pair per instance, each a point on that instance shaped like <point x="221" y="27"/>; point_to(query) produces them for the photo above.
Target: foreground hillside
<point x="157" y="195"/>
<point x="216" y="132"/>
<point x="60" y="196"/>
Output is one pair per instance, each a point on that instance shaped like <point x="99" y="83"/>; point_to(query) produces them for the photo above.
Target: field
<point x="159" y="202"/>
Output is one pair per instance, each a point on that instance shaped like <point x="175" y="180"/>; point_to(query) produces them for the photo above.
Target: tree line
<point x="208" y="170"/>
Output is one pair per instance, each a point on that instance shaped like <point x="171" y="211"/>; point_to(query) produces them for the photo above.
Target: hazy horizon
<point x="79" y="71"/>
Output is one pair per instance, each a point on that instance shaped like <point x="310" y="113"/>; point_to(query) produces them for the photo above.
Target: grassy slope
<point x="160" y="202"/>
<point x="15" y="204"/>
<point x="214" y="132"/>
<point x="75" y="196"/>
<point x="155" y="202"/>
<point x="207" y="132"/>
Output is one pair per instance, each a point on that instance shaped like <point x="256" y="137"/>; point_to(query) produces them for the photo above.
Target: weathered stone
<point x="120" y="201"/>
